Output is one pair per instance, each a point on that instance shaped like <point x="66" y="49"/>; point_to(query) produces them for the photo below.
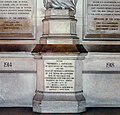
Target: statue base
<point x="59" y="79"/>
<point x="59" y="26"/>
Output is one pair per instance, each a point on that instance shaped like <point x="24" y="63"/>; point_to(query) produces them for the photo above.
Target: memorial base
<point x="59" y="79"/>
<point x="59" y="103"/>
<point x="101" y="79"/>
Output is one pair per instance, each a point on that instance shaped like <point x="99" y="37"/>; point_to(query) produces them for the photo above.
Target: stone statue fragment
<point x="60" y="4"/>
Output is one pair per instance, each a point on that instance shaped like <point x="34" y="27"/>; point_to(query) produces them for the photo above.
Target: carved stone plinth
<point x="59" y="27"/>
<point x="59" y="80"/>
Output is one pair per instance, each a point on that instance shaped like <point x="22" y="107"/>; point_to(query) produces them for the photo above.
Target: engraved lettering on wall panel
<point x="59" y="75"/>
<point x="103" y="17"/>
<point x="17" y="19"/>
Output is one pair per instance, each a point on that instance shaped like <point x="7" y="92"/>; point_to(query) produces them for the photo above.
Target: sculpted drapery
<point x="60" y="4"/>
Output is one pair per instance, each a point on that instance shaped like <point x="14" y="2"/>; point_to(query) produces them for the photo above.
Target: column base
<point x="59" y="103"/>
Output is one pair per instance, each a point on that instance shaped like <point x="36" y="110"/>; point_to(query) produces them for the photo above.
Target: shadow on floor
<point x="90" y="111"/>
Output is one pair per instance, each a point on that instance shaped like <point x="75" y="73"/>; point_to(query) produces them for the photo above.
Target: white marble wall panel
<point x="102" y="90"/>
<point x="17" y="79"/>
<point x="79" y="17"/>
<point x="17" y="89"/>
<point x="101" y="80"/>
<point x="40" y="17"/>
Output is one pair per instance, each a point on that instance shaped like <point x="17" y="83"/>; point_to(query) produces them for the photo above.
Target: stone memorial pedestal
<point x="59" y="27"/>
<point x="59" y="79"/>
<point x="101" y="79"/>
<point x="17" y="75"/>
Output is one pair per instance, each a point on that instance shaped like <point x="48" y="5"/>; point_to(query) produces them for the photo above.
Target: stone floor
<point x="90" y="111"/>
